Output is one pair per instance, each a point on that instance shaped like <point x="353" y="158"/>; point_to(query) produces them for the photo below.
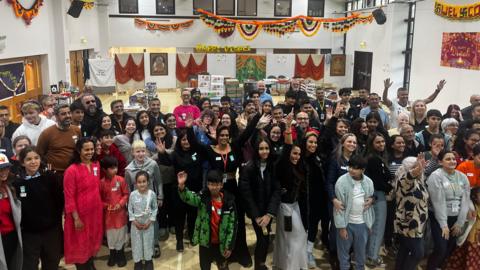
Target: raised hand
<point x="264" y="121"/>
<point x="189" y="121"/>
<point x="289" y="119"/>
<point x="441" y="84"/>
<point x="387" y="83"/>
<point x="160" y="145"/>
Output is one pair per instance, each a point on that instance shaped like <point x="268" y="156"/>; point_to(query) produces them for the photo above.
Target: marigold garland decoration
<point x="249" y="31"/>
<point x="309" y="26"/>
<point x="165" y="27"/>
<point x="467" y="12"/>
<point x="26" y="13"/>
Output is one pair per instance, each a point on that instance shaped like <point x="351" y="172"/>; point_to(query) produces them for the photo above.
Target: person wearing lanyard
<point x="449" y="191"/>
<point x="11" y="255"/>
<point x="226" y="157"/>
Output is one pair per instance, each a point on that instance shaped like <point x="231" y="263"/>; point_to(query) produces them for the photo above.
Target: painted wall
<point x="426" y="69"/>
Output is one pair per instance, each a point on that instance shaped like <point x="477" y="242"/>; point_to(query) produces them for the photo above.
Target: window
<point x="128" y="6"/>
<point x="361" y="4"/>
<point x="247" y="7"/>
<point x="203" y="4"/>
<point x="316" y="8"/>
<point x="283" y="8"/>
<point x="165" y="6"/>
<point x="226" y="7"/>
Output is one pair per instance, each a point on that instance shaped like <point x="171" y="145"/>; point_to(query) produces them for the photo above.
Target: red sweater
<point x="114" y="152"/>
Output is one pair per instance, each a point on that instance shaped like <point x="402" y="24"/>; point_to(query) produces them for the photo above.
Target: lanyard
<point x="225" y="160"/>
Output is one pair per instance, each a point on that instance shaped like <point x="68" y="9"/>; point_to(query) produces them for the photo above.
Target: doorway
<point x="362" y="70"/>
<point x="77" y="68"/>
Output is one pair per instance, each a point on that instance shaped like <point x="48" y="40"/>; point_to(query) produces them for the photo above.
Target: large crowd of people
<point x="358" y="174"/>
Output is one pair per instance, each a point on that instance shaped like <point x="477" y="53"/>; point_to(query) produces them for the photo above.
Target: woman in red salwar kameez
<point x="83" y="207"/>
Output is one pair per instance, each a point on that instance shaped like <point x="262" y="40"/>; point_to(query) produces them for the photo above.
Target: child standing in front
<point x="142" y="211"/>
<point x="114" y="193"/>
<point x="355" y="191"/>
<point x="216" y="222"/>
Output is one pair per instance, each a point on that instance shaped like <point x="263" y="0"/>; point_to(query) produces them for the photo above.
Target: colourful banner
<point x="461" y="50"/>
<point x="165" y="27"/>
<point x="457" y="12"/>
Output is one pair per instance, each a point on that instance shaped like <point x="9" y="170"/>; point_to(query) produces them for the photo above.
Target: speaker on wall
<point x="379" y="16"/>
<point x="75" y="8"/>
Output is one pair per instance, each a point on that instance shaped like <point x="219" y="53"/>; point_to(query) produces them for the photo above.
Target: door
<point x="76" y="69"/>
<point x="362" y="70"/>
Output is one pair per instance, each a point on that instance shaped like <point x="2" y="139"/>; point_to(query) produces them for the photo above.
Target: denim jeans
<point x="442" y="247"/>
<point x="410" y="252"/>
<point x="376" y="237"/>
<point x="358" y="236"/>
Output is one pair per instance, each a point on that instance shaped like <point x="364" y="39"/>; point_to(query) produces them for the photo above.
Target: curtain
<point x="190" y="64"/>
<point x="130" y="70"/>
<point x="310" y="66"/>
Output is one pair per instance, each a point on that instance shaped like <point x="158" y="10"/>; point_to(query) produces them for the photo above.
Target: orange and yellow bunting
<point x="165" y="27"/>
<point x="26" y="13"/>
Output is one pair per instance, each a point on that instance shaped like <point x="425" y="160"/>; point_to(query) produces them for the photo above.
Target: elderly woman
<point x="450" y="127"/>
<point x="412" y="212"/>
<point x="402" y="120"/>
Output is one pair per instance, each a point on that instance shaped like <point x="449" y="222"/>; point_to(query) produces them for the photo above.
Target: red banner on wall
<point x="129" y="71"/>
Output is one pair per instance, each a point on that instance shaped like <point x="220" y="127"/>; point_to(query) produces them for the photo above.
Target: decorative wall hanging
<point x="310" y="66"/>
<point x="12" y="80"/>
<point x="165" y="27"/>
<point x="468" y="12"/>
<point x="26" y="13"/>
<point x="202" y="48"/>
<point x="308" y="25"/>
<point x="129" y="71"/>
<point x="158" y="64"/>
<point x="189" y="64"/>
<point x="251" y="66"/>
<point x="337" y="65"/>
<point x="461" y="50"/>
<point x="88" y="4"/>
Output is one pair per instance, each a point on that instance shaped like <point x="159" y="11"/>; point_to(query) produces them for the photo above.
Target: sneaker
<point x="371" y="263"/>
<point x="180" y="246"/>
<point x="156" y="252"/>
<point x="311" y="261"/>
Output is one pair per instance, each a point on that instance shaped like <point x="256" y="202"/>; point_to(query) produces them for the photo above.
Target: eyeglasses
<point x="90" y="101"/>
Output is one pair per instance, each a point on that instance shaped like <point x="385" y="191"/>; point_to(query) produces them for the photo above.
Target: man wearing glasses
<point x="93" y="116"/>
<point x="185" y="109"/>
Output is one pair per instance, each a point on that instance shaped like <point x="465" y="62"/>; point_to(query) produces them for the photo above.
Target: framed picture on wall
<point x="337" y="65"/>
<point x="158" y="64"/>
<point x="128" y="6"/>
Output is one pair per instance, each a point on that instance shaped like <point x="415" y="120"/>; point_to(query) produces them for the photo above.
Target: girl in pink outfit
<point x="83" y="207"/>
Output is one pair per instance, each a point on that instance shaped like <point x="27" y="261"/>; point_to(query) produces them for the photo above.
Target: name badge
<point x="23" y="192"/>
<point x="114" y="189"/>
<point x="470" y="174"/>
<point x="224" y="179"/>
<point x="232" y="158"/>
<point x="194" y="157"/>
<point x="219" y="211"/>
<point x="95" y="171"/>
<point x="344" y="168"/>
<point x="75" y="138"/>
<point x="218" y="158"/>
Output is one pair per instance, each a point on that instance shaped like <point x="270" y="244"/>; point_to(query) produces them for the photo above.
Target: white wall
<point x="387" y="42"/>
<point x="426" y="69"/>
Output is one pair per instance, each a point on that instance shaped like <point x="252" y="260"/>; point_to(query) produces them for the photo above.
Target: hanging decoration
<point x="190" y="64"/>
<point x="309" y="26"/>
<point x="249" y="31"/>
<point x="12" y="80"/>
<point x="250" y="66"/>
<point x="222" y="28"/>
<point x="310" y="66"/>
<point x="26" y="13"/>
<point x="129" y="71"/>
<point x="468" y="12"/>
<point x="165" y="27"/>
<point x="88" y="4"/>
